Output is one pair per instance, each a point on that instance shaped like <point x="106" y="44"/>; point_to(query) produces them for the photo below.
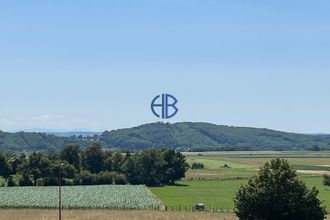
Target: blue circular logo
<point x="166" y="107"/>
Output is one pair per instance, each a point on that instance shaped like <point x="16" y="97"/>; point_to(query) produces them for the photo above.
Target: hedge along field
<point x="80" y="197"/>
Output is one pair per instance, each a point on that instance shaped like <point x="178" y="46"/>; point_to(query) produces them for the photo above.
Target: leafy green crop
<point x="80" y="197"/>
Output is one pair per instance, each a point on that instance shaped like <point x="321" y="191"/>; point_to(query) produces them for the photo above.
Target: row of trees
<point x="92" y="165"/>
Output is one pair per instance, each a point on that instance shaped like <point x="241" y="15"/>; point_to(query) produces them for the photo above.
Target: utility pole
<point x="60" y="168"/>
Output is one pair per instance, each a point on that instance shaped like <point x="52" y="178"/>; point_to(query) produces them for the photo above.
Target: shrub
<point x="11" y="182"/>
<point x="84" y="178"/>
<point x="104" y="178"/>
<point x="197" y="166"/>
<point x="2" y="182"/>
<point x="119" y="178"/>
<point x="25" y="180"/>
<point x="326" y="180"/>
<point x="49" y="181"/>
<point x="68" y="182"/>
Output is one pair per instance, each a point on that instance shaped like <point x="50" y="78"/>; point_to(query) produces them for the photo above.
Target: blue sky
<point x="96" y="65"/>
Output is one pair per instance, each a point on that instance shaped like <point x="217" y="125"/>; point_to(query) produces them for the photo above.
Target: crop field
<point x="80" y="197"/>
<point x="244" y="164"/>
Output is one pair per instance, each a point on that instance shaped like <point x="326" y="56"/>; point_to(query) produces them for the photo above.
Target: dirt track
<point x="319" y="172"/>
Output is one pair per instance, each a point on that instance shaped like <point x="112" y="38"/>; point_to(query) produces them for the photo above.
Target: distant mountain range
<point x="59" y="132"/>
<point x="196" y="136"/>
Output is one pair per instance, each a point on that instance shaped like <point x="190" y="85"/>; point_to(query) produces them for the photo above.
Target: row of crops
<point x="80" y="197"/>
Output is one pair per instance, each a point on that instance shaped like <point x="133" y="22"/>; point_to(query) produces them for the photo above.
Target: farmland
<point x="215" y="186"/>
<point x="244" y="164"/>
<point x="80" y="197"/>
<point x="216" y="194"/>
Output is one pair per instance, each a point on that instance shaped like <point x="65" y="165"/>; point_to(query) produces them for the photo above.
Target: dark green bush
<point x="119" y="178"/>
<point x="104" y="178"/>
<point x="84" y="178"/>
<point x="50" y="181"/>
<point x="25" y="180"/>
<point x="326" y="180"/>
<point x="11" y="182"/>
<point x="197" y="166"/>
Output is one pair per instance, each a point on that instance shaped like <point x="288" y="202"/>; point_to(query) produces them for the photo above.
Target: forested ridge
<point x="186" y="136"/>
<point x="206" y="136"/>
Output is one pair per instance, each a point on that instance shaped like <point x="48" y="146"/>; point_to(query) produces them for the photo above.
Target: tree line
<point x="92" y="166"/>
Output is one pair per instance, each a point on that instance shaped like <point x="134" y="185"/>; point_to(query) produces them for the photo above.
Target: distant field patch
<point x="261" y="154"/>
<point x="219" y="174"/>
<point x="80" y="197"/>
<point x="310" y="167"/>
<point x="215" y="163"/>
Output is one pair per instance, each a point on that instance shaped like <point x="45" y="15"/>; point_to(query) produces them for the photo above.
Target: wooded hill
<point x="206" y="136"/>
<point x="183" y="136"/>
<point x="31" y="141"/>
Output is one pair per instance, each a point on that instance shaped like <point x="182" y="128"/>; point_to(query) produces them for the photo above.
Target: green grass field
<point x="217" y="194"/>
<point x="213" y="193"/>
<point x="215" y="186"/>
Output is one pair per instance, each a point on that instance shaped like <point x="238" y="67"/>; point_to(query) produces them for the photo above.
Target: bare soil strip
<point x="319" y="172"/>
<point x="30" y="214"/>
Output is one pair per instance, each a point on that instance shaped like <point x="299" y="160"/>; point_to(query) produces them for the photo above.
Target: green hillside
<point x="31" y="141"/>
<point x="206" y="136"/>
<point x="196" y="136"/>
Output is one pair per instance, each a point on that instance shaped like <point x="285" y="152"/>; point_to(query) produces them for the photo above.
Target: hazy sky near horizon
<point x="96" y="65"/>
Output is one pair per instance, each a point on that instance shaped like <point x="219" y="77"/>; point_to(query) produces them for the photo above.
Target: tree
<point x="131" y="171"/>
<point x="117" y="160"/>
<point x="4" y="167"/>
<point x="276" y="193"/>
<point x="108" y="161"/>
<point x="175" y="166"/>
<point x="70" y="153"/>
<point x="67" y="171"/>
<point x="149" y="166"/>
<point x="16" y="161"/>
<point x="93" y="158"/>
<point x="37" y="166"/>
